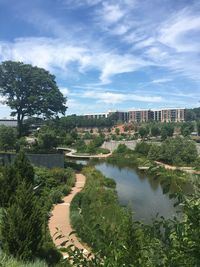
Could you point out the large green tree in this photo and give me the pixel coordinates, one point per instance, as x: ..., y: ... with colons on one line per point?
x: 30, y: 91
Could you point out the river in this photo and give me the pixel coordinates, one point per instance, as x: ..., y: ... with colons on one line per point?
x: 143, y: 195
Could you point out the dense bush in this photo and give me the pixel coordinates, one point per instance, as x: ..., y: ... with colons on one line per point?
x: 56, y: 196
x: 143, y: 148
x: 178, y: 151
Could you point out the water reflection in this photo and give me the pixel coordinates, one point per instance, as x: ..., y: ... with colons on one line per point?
x: 144, y: 196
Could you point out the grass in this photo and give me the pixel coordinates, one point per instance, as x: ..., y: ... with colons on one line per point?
x: 6, y: 261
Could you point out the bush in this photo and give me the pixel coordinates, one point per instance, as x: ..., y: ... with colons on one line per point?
x: 66, y: 190
x: 56, y: 196
x: 50, y: 254
x: 142, y: 148
x: 154, y: 152
x: 121, y: 148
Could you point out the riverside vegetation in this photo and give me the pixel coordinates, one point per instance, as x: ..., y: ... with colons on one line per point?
x: 26, y: 198
x: 117, y: 240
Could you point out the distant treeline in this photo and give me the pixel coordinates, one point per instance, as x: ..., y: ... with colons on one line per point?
x: 73, y: 121
x: 192, y: 114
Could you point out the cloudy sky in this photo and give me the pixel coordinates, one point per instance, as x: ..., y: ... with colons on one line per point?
x: 108, y: 54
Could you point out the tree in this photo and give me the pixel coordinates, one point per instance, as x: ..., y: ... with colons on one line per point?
x: 187, y: 128
x: 48, y: 140
x: 24, y: 168
x: 155, y: 130
x: 117, y: 131
x: 30, y: 91
x: 198, y: 127
x: 8, y: 138
x: 12, y: 176
x: 167, y: 130
x: 21, y: 226
x: 143, y: 132
x: 178, y: 151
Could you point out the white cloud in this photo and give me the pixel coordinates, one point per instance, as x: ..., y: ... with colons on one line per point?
x: 114, y: 98
x: 162, y: 80
x: 111, y: 13
x: 58, y: 56
x: 65, y: 91
x: 175, y: 33
x: 121, y: 64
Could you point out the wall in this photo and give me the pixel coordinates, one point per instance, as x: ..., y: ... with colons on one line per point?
x: 39, y: 160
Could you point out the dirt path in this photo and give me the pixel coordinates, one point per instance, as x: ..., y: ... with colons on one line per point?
x: 61, y: 217
x: 184, y: 169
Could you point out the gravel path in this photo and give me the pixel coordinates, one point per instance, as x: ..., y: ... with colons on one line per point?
x: 61, y: 217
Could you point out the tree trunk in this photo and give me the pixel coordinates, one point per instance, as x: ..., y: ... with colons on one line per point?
x: 20, y: 125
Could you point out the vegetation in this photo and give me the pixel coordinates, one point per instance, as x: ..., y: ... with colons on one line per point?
x: 176, y: 151
x: 119, y: 241
x: 21, y: 86
x: 8, y: 138
x: 26, y: 197
x: 8, y: 261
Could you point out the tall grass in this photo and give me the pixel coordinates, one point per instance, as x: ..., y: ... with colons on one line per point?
x: 6, y: 261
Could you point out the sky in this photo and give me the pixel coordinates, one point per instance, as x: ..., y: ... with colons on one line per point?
x: 108, y: 55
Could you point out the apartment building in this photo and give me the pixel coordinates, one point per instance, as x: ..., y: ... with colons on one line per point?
x: 169, y: 115
x: 143, y: 115
x: 119, y: 115
x: 140, y: 115
x: 96, y: 115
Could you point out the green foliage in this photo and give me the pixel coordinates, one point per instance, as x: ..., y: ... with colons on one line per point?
x: 187, y: 128
x: 71, y: 122
x: 121, y: 148
x: 198, y: 127
x: 8, y: 185
x: 143, y: 132
x: 117, y: 131
x: 155, y: 130
x: 8, y: 138
x: 21, y: 144
x: 12, y: 176
x: 143, y: 148
x: 21, y: 85
x: 178, y: 151
x: 56, y: 196
x: 154, y: 152
x: 6, y: 261
x: 119, y: 241
x: 167, y: 130
x: 102, y: 222
x: 47, y: 140
x: 192, y: 114
x: 24, y: 168
x: 93, y: 147
x: 21, y: 226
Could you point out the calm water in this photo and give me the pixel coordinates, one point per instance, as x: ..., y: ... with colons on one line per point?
x: 143, y: 195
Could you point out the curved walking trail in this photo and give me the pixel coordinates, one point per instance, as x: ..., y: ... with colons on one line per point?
x: 72, y: 153
x: 184, y: 169
x: 61, y: 218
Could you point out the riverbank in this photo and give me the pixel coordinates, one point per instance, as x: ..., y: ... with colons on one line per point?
x: 120, y: 241
x: 60, y: 219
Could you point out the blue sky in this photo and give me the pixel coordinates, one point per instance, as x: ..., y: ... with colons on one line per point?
x: 107, y: 55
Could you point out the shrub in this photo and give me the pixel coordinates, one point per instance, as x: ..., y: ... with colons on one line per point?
x: 56, y: 196
x: 66, y: 190
x: 142, y: 148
